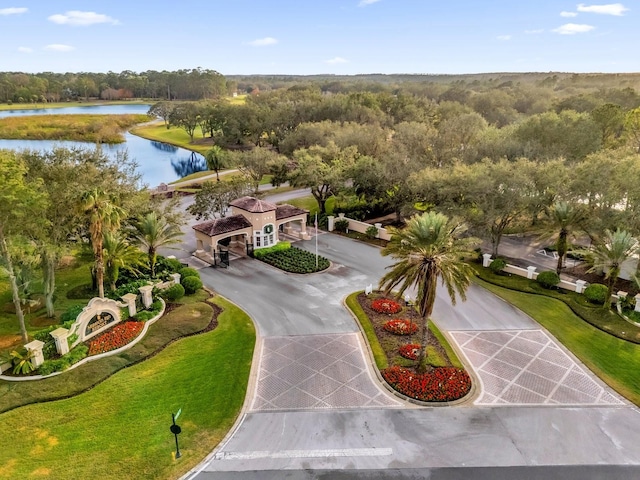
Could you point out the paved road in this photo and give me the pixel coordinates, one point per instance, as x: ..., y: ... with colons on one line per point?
x: 407, y: 442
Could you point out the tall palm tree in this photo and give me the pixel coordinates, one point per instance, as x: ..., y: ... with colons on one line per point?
x: 104, y: 216
x: 118, y: 254
x: 428, y: 248
x: 564, y: 218
x: 153, y: 232
x: 609, y: 255
x: 216, y: 160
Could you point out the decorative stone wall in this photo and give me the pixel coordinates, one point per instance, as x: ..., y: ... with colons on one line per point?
x: 99, y: 315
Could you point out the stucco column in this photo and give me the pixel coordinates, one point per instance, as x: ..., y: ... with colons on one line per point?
x: 147, y: 299
x: 330, y: 220
x: 130, y: 300
x: 60, y: 335
x: 486, y: 259
x: 35, y: 349
x: 580, y: 286
x: 637, y: 297
x: 530, y: 272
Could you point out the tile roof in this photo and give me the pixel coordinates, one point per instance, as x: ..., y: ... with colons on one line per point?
x: 286, y: 211
x: 253, y: 205
x: 223, y: 225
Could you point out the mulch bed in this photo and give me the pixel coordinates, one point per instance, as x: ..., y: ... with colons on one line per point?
x: 391, y: 343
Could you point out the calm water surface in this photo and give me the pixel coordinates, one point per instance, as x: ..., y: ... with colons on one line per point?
x: 157, y: 162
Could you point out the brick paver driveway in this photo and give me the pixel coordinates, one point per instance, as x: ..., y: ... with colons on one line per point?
x: 528, y: 367
x: 316, y: 372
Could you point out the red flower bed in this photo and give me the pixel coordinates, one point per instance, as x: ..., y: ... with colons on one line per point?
x: 410, y: 351
x: 400, y: 326
x: 386, y: 305
x: 117, y: 337
x: 442, y: 384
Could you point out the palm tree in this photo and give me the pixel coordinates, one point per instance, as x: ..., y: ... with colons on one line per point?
x: 428, y: 248
x: 564, y: 218
x: 609, y: 255
x: 153, y: 232
x: 104, y: 216
x: 119, y: 253
x: 216, y: 160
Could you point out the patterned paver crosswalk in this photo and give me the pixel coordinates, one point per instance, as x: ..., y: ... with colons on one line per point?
x: 316, y: 372
x: 527, y: 367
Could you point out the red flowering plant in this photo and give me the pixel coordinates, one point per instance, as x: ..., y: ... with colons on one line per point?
x: 386, y: 305
x: 116, y: 337
x: 410, y: 351
x: 400, y: 326
x: 442, y: 384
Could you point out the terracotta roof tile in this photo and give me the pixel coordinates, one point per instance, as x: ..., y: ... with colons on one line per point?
x: 222, y: 225
x: 253, y: 205
x: 286, y: 211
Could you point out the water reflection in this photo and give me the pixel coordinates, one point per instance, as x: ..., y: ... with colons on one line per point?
x: 165, y: 147
x: 186, y: 166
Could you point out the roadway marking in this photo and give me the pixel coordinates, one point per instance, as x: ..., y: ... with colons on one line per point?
x: 336, y: 452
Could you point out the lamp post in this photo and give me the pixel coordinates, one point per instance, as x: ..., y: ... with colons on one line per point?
x: 175, y: 429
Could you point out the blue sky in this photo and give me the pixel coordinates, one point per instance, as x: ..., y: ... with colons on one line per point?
x: 322, y: 36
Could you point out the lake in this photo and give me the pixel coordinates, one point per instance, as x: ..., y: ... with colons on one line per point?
x: 157, y: 162
x: 95, y: 109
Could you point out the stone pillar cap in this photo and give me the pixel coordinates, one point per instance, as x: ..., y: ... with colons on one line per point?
x: 34, y: 345
x: 146, y: 288
x: 128, y: 296
x: 59, y: 332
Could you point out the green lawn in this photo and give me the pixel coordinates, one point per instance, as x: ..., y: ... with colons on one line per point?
x: 120, y: 428
x: 614, y: 360
x: 174, y: 136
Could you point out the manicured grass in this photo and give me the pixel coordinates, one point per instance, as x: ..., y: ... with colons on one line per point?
x: 615, y: 361
x: 120, y: 428
x: 310, y: 203
x: 190, y: 318
x: 82, y: 128
x: 295, y: 260
x: 173, y: 136
x: 596, y: 315
x: 378, y: 353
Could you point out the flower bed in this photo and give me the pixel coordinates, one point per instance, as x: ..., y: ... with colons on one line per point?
x: 386, y: 305
x: 117, y: 337
x: 410, y: 351
x: 400, y: 326
x: 295, y: 260
x: 442, y: 384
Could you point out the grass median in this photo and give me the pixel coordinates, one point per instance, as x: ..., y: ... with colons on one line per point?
x: 120, y: 428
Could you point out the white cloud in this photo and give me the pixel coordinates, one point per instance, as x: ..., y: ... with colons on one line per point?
x: 263, y: 42
x: 25, y: 49
x: 364, y: 3
x: 82, y: 19
x: 568, y: 14
x: 58, y: 47
x: 534, y: 32
x: 335, y: 60
x: 573, y: 28
x: 504, y: 38
x: 616, y: 9
x: 13, y: 10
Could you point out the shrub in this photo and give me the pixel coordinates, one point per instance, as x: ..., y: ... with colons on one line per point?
x: 596, y: 293
x: 173, y: 293
x: 497, y: 265
x: 341, y: 225
x: 188, y: 272
x: 295, y: 260
x: 548, y: 279
x: 371, y: 232
x: 278, y: 247
x: 399, y: 326
x: 71, y: 313
x: 191, y: 285
x: 64, y: 362
x: 131, y: 287
x: 386, y: 305
x: 169, y: 265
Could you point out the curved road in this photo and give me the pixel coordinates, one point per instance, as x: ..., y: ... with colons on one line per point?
x: 316, y: 408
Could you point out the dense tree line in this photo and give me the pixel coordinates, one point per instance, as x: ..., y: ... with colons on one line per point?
x: 193, y: 84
